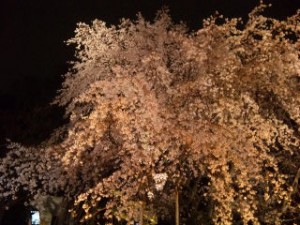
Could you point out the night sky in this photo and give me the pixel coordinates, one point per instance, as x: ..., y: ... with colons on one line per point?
x: 34, y: 56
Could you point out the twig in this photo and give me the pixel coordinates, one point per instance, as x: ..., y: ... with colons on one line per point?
x: 294, y: 186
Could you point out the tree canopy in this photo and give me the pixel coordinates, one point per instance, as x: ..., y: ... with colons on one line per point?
x: 155, y: 109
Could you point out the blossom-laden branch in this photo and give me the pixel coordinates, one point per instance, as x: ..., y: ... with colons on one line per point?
x: 154, y: 108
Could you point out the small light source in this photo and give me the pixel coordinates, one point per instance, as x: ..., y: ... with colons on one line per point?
x: 35, y: 217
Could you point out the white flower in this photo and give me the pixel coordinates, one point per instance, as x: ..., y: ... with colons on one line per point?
x: 160, y: 180
x: 150, y: 195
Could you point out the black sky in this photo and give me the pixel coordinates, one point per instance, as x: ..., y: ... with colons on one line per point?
x: 34, y: 56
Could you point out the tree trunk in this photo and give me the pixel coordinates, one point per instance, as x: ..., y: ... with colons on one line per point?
x: 141, y: 219
x: 177, y: 207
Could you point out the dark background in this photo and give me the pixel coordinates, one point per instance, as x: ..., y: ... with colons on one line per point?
x: 34, y: 56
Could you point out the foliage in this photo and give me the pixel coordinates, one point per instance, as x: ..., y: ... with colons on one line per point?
x: 155, y: 109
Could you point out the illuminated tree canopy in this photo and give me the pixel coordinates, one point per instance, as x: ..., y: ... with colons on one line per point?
x: 154, y: 110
